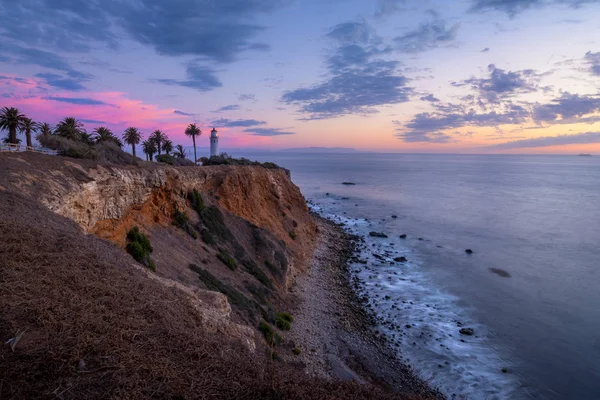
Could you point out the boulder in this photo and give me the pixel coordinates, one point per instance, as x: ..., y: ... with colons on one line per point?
x: 467, y: 331
x: 400, y: 259
x: 378, y: 234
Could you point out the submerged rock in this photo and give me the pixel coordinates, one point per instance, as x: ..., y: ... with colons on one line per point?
x: 378, y: 234
x: 467, y: 331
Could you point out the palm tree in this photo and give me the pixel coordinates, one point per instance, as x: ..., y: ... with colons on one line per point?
x: 159, y: 138
x: 167, y: 146
x: 45, y: 129
x: 105, y: 135
x: 28, y: 127
x: 12, y: 121
x: 71, y: 128
x: 132, y: 136
x: 149, y: 148
x: 193, y: 131
x: 179, y: 151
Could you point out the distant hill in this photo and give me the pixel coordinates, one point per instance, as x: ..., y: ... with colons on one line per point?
x: 319, y: 150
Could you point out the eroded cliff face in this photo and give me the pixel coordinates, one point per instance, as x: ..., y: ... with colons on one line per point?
x: 262, y: 221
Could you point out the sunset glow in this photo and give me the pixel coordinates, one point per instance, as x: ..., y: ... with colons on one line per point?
x: 470, y: 76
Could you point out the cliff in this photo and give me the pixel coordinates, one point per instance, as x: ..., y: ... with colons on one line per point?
x: 83, y: 319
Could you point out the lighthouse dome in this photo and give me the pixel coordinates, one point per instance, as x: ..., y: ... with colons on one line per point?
x: 214, y: 133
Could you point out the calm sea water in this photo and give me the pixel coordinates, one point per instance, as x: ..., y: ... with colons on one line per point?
x: 534, y: 220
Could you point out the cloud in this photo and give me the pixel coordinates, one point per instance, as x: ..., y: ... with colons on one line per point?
x: 178, y: 112
x: 199, y: 77
x: 268, y: 132
x: 427, y: 36
x: 431, y: 98
x: 514, y: 7
x: 92, y: 121
x: 359, y: 80
x: 27, y: 55
x: 214, y: 30
x: 77, y: 100
x: 388, y: 7
x: 232, y: 107
x: 593, y: 59
x: 420, y: 128
x: 485, y: 50
x: 502, y: 84
x: 567, y: 108
x: 237, y: 123
x: 247, y: 97
x: 61, y: 82
x: 547, y: 141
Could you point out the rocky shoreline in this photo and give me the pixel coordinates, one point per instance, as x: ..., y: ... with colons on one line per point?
x: 332, y: 329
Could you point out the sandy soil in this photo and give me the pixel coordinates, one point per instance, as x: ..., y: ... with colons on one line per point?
x: 335, y: 334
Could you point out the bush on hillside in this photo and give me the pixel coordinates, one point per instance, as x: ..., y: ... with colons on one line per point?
x: 139, y: 247
x: 226, y: 159
x: 175, y: 161
x: 196, y: 199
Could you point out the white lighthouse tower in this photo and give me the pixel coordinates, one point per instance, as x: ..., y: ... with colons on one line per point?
x: 214, y: 143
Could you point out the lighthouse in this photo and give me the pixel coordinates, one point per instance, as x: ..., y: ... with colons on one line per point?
x: 214, y: 143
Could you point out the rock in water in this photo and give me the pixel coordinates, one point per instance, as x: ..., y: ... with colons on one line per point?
x: 400, y: 259
x: 394, y: 216
x: 467, y: 331
x: 378, y: 234
x: 348, y: 183
x: 469, y: 251
x: 403, y: 236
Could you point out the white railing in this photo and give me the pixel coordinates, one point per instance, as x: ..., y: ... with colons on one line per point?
x: 11, y: 147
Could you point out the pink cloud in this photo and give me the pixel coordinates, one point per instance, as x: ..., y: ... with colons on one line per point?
x: 115, y: 110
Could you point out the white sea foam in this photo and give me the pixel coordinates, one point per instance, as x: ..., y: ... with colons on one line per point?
x: 423, y: 322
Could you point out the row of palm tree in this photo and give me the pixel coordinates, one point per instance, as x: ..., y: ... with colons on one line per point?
x: 13, y: 121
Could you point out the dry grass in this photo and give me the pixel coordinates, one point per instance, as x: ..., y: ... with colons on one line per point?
x: 77, y: 298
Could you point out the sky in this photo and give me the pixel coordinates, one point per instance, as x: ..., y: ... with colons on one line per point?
x: 464, y: 76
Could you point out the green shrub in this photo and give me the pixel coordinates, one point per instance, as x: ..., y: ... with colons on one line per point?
x: 259, y: 292
x: 293, y: 235
x: 295, y: 223
x: 236, y: 298
x: 272, y: 354
x: 283, y: 321
x: 258, y: 273
x: 196, y: 199
x: 225, y: 159
x: 274, y: 270
x: 180, y: 220
x: 139, y: 247
x: 269, y: 334
x: 215, y: 223
x: 227, y: 260
x: 207, y: 237
x: 296, y: 351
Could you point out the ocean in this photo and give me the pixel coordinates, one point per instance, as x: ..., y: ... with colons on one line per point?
x: 529, y: 291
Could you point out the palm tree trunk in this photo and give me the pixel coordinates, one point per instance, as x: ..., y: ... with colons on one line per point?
x: 28, y: 136
x: 133, y: 150
x: 195, y: 157
x: 12, y: 135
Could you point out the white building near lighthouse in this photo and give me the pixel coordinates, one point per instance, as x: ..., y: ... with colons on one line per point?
x: 214, y: 143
